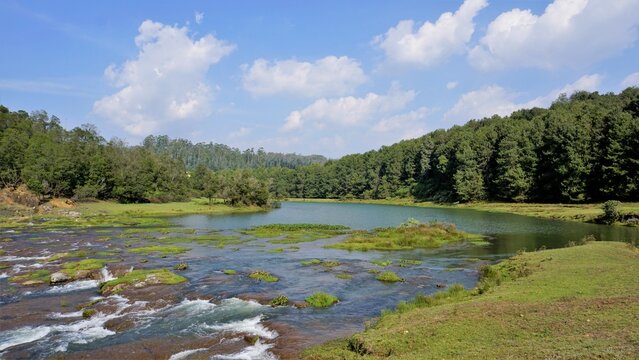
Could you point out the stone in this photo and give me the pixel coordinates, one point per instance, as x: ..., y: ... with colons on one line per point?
x: 58, y: 277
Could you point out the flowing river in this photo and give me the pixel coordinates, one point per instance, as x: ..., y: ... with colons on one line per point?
x: 219, y: 316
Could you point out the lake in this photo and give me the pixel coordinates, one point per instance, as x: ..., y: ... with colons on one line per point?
x: 219, y: 316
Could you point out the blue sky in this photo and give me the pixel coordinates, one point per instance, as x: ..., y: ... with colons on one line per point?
x: 330, y: 77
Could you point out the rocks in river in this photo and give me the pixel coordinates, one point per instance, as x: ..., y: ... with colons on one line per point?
x: 33, y: 282
x: 58, y: 278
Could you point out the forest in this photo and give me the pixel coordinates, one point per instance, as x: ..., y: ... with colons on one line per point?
x: 583, y: 148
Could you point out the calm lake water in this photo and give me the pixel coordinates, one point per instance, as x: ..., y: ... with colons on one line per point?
x: 209, y: 315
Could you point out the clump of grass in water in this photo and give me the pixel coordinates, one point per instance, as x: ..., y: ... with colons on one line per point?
x: 181, y: 266
x: 279, y: 300
x: 164, y: 250
x: 296, y: 233
x: 330, y: 263
x: 344, y: 276
x: 382, y: 263
x: 406, y: 237
x: 263, y: 276
x: 229, y: 272
x: 311, y: 262
x: 321, y: 300
x: 389, y: 276
x: 409, y: 263
x: 141, y: 277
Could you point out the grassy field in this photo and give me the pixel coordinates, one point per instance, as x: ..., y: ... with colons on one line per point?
x: 578, y: 302
x: 108, y: 213
x: 572, y: 212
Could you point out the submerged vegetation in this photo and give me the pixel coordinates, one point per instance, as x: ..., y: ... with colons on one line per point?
x: 550, y: 301
x: 263, y: 276
x: 409, y: 236
x: 321, y: 300
x: 296, y: 233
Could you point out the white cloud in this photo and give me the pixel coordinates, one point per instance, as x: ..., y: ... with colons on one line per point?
x: 329, y: 76
x: 350, y: 110
x: 568, y: 33
x: 41, y: 87
x: 491, y: 100
x: 451, y: 85
x: 630, y: 80
x: 431, y: 43
x: 401, y: 121
x: 166, y: 82
x: 240, y: 133
x: 199, y: 17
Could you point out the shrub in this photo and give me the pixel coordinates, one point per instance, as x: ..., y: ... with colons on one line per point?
x: 263, y: 276
x: 280, y: 300
x: 389, y: 276
x: 181, y: 266
x: 611, y: 212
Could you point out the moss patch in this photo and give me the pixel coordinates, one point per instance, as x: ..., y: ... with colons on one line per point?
x: 321, y: 300
x: 159, y: 249
x: 229, y: 272
x: 141, y: 278
x: 263, y: 276
x: 389, y: 276
x: 296, y: 233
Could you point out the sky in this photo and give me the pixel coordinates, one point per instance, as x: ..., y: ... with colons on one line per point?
x: 313, y: 77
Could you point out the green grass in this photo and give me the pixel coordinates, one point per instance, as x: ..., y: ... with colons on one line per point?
x: 229, y: 271
x: 405, y: 237
x: 141, y: 278
x: 321, y: 300
x: 344, y: 276
x: 382, y: 263
x: 41, y: 275
x: 72, y: 268
x: 295, y: 233
x: 570, y: 212
x: 389, y: 276
x: 409, y: 262
x: 263, y: 276
x: 311, y: 262
x: 577, y: 302
x: 159, y: 249
x: 279, y: 300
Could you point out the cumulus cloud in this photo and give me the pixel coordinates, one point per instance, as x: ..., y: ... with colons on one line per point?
x: 401, y: 121
x: 630, y: 80
x: 329, y: 76
x: 568, y: 33
x: 491, y: 100
x: 165, y: 83
x: 430, y: 43
x: 349, y: 110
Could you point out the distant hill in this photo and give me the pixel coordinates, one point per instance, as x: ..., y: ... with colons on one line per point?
x: 220, y: 156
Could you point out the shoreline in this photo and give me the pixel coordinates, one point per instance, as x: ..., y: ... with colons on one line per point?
x: 584, y: 213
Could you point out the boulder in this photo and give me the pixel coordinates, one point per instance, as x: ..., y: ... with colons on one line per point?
x: 59, y: 277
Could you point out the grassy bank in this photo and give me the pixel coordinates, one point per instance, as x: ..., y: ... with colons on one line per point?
x: 108, y: 213
x: 572, y: 212
x: 578, y: 302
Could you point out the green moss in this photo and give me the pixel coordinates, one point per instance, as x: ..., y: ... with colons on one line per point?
x: 229, y: 271
x: 311, y: 262
x: 296, y: 233
x: 409, y: 263
x: 263, y: 276
x: 408, y: 237
x: 181, y: 266
x: 164, y: 250
x: 277, y: 250
x: 87, y: 313
x: 280, y: 300
x: 344, y: 276
x: 41, y: 275
x: 374, y: 271
x: 138, y: 278
x: 389, y: 276
x: 382, y: 263
x: 3, y: 252
x: 330, y: 263
x: 321, y: 300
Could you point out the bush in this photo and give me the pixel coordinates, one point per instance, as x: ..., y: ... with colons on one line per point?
x: 321, y: 300
x: 611, y: 212
x: 280, y: 300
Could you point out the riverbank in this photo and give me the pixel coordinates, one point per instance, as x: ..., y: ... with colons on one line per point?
x: 113, y: 214
x: 577, y: 302
x: 570, y: 212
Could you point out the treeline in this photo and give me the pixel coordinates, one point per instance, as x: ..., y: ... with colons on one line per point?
x: 583, y: 148
x: 221, y: 157
x: 35, y: 150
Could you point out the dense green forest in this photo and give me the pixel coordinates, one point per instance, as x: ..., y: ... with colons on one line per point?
x: 583, y: 148
x: 220, y: 157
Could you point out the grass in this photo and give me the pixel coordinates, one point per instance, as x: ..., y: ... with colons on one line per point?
x: 577, y: 302
x: 570, y: 212
x: 321, y: 300
x: 159, y: 249
x: 279, y: 300
x: 406, y: 237
x: 389, y: 276
x: 36, y: 276
x: 382, y: 263
x: 295, y: 233
x: 72, y: 268
x: 409, y: 262
x: 344, y: 276
x: 141, y: 278
x: 263, y: 276
x: 311, y: 262
x: 229, y: 272
x: 113, y: 214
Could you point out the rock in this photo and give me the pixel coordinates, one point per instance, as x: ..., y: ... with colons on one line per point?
x: 58, y: 277
x: 251, y: 339
x: 440, y: 285
x: 33, y: 282
x: 83, y: 274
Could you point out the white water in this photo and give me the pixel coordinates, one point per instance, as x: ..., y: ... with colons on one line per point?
x: 73, y: 286
x: 4, y: 275
x: 58, y: 315
x: 251, y: 326
x: 11, y: 258
x: 258, y: 351
x: 182, y: 354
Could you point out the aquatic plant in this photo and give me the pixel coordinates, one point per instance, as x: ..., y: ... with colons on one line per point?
x: 279, y: 300
x: 181, y: 266
x: 409, y: 262
x: 164, y: 250
x: 296, y: 233
x: 311, y: 262
x: 382, y: 263
x: 344, y: 276
x: 321, y: 300
x: 331, y: 263
x: 141, y: 278
x: 389, y: 276
x: 229, y: 272
x: 263, y: 276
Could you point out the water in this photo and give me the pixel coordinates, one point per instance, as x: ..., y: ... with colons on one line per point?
x: 209, y: 316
